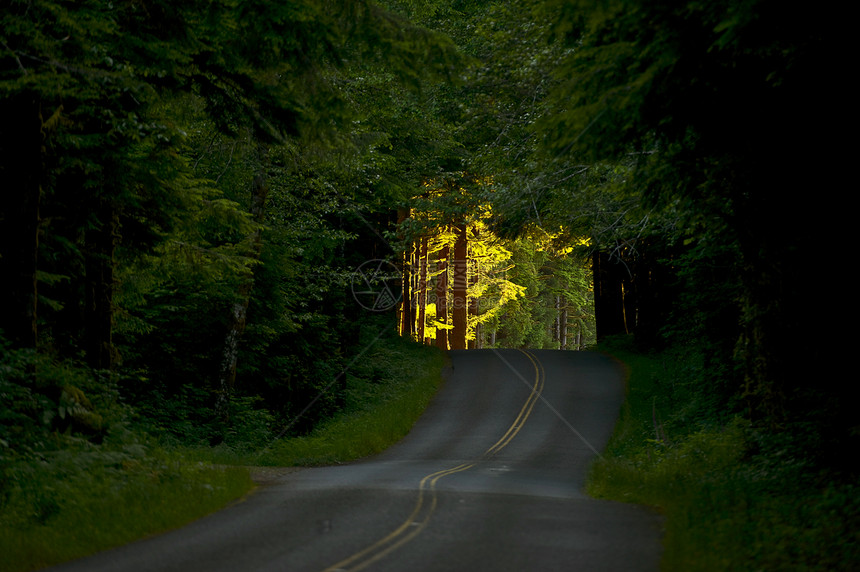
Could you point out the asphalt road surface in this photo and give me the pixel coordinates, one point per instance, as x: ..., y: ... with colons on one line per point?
x: 490, y: 478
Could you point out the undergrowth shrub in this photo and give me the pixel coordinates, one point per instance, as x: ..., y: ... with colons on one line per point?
x: 735, y: 496
x: 77, y: 473
x: 393, y: 387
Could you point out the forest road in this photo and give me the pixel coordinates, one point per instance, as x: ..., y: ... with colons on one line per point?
x: 490, y: 478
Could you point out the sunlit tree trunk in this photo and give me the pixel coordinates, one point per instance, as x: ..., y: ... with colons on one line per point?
x: 442, y: 298
x: 422, y: 289
x: 473, y: 302
x: 457, y: 338
x: 414, y: 279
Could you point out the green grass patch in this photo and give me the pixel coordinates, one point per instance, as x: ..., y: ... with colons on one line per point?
x: 71, y: 504
x: 734, y: 497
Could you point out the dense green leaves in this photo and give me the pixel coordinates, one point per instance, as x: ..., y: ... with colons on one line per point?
x: 136, y: 133
x: 696, y: 108
x: 190, y: 182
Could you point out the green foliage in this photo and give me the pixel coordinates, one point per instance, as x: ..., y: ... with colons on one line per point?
x: 557, y: 294
x: 689, y: 103
x: 734, y: 496
x: 49, y: 403
x: 77, y: 475
x: 384, y: 393
x: 390, y: 389
x: 135, y: 134
x: 73, y: 503
x: 163, y: 128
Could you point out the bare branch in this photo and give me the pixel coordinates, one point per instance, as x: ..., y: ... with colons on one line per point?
x: 17, y: 59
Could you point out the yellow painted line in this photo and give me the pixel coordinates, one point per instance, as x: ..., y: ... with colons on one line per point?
x: 396, y: 538
x: 526, y: 410
x: 411, y: 521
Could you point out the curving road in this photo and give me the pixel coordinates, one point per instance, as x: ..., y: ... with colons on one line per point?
x: 490, y: 478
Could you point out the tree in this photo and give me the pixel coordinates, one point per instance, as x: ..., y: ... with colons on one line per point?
x: 57, y: 73
x: 121, y: 216
x: 696, y: 100
x: 239, y: 315
x: 441, y: 293
x: 510, y: 293
x: 459, y: 285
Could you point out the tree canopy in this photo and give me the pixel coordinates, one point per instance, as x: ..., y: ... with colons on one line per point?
x: 190, y: 188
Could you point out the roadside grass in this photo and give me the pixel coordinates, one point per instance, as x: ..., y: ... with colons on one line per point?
x: 78, y: 498
x: 733, y: 497
x: 75, y: 503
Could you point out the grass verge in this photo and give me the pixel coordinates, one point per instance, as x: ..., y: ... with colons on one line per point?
x: 734, y: 497
x: 75, y: 503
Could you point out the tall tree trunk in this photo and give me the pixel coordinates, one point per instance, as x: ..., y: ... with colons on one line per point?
x: 239, y: 313
x: 406, y: 314
x: 442, y: 298
x: 99, y: 264
x: 414, y: 272
x: 629, y: 301
x: 473, y: 301
x: 556, y: 335
x: 608, y: 296
x: 407, y: 310
x: 563, y: 321
x: 457, y: 338
x: 21, y: 163
x: 650, y: 281
x: 422, y: 289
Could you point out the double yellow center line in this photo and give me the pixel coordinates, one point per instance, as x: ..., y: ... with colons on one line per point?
x: 427, y: 497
